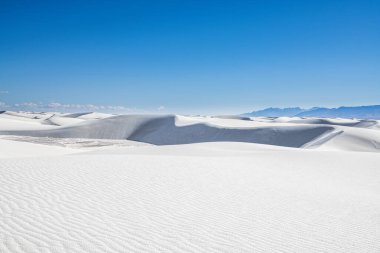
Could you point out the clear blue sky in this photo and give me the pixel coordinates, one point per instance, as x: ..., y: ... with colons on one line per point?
x: 191, y: 56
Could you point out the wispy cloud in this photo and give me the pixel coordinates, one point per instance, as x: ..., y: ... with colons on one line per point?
x: 56, y: 106
x: 4, y: 92
x: 27, y: 104
x: 3, y: 105
x: 161, y: 108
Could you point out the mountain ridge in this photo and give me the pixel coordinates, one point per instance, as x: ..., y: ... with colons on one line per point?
x: 363, y: 112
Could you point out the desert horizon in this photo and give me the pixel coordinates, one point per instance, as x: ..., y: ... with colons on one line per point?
x: 114, y: 183
x: 248, y: 126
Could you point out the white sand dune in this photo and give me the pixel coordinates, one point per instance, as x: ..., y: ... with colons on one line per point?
x: 180, y: 199
x: 339, y: 122
x: 94, y: 183
x: 328, y: 134
x: 162, y: 130
x: 15, y: 123
x: 354, y: 139
x: 25, y: 116
x: 72, y: 142
x: 10, y: 149
x: 88, y: 115
x: 58, y: 120
x: 96, y: 115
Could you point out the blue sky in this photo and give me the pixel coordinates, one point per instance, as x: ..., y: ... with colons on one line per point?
x: 189, y: 56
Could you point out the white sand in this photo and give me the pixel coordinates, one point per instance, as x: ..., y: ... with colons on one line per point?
x: 217, y: 193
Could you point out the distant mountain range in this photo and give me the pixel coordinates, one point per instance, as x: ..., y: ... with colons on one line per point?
x: 361, y: 112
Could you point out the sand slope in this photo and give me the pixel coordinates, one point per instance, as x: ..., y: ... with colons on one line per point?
x: 163, y: 130
x: 90, y: 182
x: 327, y: 134
x: 11, y: 149
x: 166, y: 199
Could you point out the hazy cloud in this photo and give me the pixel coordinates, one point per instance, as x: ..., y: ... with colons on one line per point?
x: 3, y: 105
x: 56, y: 106
x: 90, y: 107
x: 27, y: 104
